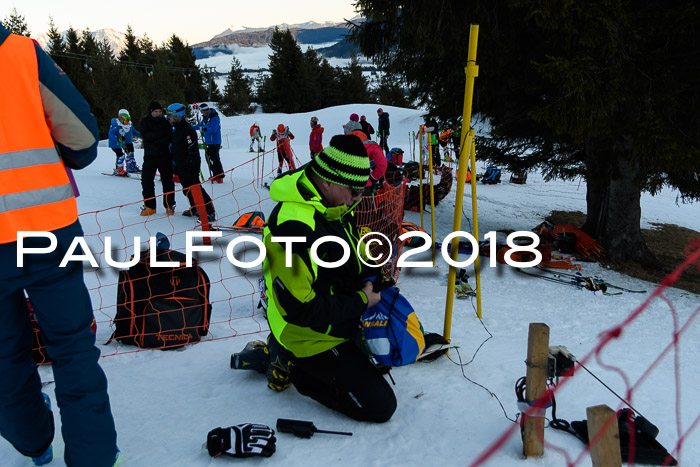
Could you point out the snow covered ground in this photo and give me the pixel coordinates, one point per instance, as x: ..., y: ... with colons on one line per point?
x: 450, y: 410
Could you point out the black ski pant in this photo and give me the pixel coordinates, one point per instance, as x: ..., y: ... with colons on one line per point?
x: 214, y: 160
x: 162, y: 163
x: 383, y: 137
x: 63, y: 310
x: 344, y: 379
x: 188, y: 171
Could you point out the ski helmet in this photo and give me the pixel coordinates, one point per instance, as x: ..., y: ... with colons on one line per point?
x: 176, y: 109
x: 280, y: 128
x: 123, y: 116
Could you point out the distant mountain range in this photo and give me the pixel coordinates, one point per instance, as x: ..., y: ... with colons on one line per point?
x: 238, y: 29
x: 305, y: 33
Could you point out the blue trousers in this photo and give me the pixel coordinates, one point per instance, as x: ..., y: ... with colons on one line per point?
x: 64, y: 312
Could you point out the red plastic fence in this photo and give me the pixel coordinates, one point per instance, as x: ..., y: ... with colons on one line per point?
x: 632, y: 385
x: 234, y: 292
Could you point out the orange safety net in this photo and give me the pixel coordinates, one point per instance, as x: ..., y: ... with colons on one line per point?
x: 383, y: 214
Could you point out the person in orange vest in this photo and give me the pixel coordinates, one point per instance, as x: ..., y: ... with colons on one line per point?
x: 56, y: 131
x: 284, y: 149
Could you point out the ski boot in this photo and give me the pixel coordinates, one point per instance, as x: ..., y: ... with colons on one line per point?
x: 278, y: 372
x: 120, y: 172
x: 462, y: 287
x: 254, y: 356
x: 133, y: 168
x: 146, y: 211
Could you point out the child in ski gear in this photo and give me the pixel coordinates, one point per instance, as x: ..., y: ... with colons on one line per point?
x: 432, y: 135
x: 313, y: 310
x: 157, y: 134
x: 56, y: 130
x: 315, y: 137
x: 351, y: 126
x: 366, y: 126
x: 121, y: 137
x: 425, y: 141
x: 377, y: 163
x: 211, y: 133
x: 284, y: 149
x: 383, y: 125
x: 255, y: 136
x: 185, y: 151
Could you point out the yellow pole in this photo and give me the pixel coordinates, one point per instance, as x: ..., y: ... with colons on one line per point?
x: 432, y: 195
x: 471, y: 71
x: 420, y: 176
x: 475, y: 221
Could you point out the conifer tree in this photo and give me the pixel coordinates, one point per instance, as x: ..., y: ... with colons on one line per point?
x: 604, y: 90
x: 353, y: 84
x: 179, y: 55
x: 132, y: 47
x: 237, y: 93
x: 16, y: 24
x: 87, y: 43
x: 280, y: 91
x: 55, y: 44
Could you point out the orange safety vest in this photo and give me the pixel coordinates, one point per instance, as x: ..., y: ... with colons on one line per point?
x: 35, y: 192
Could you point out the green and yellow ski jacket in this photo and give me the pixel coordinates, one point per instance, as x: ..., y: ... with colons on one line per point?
x: 311, y: 308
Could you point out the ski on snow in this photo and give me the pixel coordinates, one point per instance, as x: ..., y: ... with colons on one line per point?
x: 579, y: 282
x: 596, y: 280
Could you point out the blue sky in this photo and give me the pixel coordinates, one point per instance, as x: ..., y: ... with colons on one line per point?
x: 192, y: 21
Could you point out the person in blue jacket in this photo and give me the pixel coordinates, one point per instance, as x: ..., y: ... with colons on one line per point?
x: 211, y: 131
x: 121, y: 140
x: 59, y: 130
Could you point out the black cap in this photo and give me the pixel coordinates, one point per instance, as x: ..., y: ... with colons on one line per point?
x: 154, y: 105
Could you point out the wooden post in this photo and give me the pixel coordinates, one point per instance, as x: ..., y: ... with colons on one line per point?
x: 605, y: 446
x: 535, y: 387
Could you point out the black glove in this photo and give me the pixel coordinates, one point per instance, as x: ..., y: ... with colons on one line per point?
x: 244, y: 440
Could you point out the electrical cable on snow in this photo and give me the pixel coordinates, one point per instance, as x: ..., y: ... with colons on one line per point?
x: 462, y: 365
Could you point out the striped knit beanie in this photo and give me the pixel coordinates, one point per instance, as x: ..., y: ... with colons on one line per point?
x: 344, y: 162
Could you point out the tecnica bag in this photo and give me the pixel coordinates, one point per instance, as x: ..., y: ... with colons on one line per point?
x: 162, y: 307
x: 392, y: 331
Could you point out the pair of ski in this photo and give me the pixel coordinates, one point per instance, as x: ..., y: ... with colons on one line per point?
x: 578, y: 280
x: 131, y: 175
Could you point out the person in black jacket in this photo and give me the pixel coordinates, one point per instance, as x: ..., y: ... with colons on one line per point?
x: 185, y: 151
x: 156, y: 133
x: 383, y: 129
x: 367, y: 127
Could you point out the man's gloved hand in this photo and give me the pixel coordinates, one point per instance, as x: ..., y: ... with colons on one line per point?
x: 244, y: 440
